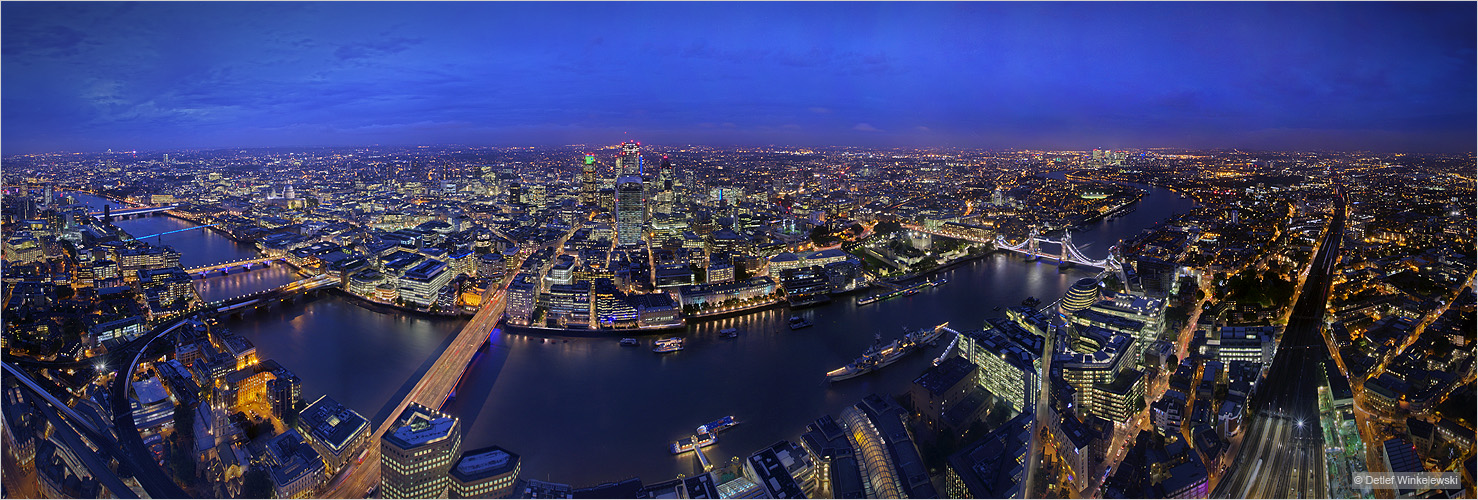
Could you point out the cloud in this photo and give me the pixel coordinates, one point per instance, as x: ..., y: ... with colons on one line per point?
x: 863, y: 127
x: 924, y: 129
x: 43, y: 42
x: 820, y: 110
x: 376, y: 48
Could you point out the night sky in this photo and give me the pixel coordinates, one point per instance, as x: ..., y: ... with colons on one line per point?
x: 1337, y: 76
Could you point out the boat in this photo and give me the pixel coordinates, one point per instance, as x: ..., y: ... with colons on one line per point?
x: 1031, y: 302
x: 911, y: 291
x: 691, y: 443
x: 628, y: 341
x: 717, y: 425
x: 862, y: 301
x: 670, y: 344
x: 797, y: 323
x: 879, y: 357
x: 941, y: 281
x: 729, y: 333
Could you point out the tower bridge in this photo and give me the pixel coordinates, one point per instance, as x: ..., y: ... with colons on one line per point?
x: 1067, y: 251
x: 1032, y: 246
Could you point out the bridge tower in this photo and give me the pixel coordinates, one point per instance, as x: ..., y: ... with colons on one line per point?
x: 1033, y: 252
x: 1115, y: 264
x: 1067, y: 240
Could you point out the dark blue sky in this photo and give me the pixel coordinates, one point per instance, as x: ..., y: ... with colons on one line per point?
x: 1376, y: 76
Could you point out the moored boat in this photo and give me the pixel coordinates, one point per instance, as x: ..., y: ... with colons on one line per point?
x: 670, y: 344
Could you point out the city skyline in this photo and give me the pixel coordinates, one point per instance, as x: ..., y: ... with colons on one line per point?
x: 1089, y: 324
x: 1070, y: 76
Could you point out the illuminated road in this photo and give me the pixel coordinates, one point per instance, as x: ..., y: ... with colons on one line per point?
x: 435, y: 385
x: 432, y: 390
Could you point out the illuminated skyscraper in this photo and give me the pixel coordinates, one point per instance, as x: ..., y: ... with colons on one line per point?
x: 588, y: 183
x: 665, y: 194
x: 629, y: 161
x: 630, y: 210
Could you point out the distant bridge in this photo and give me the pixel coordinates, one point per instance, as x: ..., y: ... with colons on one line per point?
x: 225, y: 267
x: 136, y: 212
x: 1031, y: 246
x: 239, y: 302
x: 174, y: 231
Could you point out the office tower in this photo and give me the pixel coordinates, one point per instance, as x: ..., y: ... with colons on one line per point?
x: 418, y: 452
x: 515, y: 193
x: 284, y: 392
x: 484, y: 473
x: 630, y: 210
x: 338, y: 433
x: 535, y: 195
x: 588, y: 184
x: 665, y: 193
x: 1157, y: 277
x: 629, y: 161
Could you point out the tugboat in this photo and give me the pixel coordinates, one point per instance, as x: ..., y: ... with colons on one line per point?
x: 797, y: 323
x: 628, y: 341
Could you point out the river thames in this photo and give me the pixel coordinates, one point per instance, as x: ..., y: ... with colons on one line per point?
x: 587, y: 410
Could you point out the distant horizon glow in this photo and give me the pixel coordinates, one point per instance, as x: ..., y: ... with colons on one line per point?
x: 1321, y: 76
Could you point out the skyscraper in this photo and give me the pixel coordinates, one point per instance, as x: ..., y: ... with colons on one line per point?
x: 418, y: 453
x: 629, y: 161
x: 630, y: 212
x: 588, y: 184
x: 665, y: 194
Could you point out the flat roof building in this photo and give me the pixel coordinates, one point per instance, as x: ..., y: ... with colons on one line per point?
x: 417, y: 453
x: 337, y: 432
x: 484, y: 473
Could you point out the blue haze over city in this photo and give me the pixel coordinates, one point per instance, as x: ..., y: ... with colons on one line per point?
x: 738, y: 249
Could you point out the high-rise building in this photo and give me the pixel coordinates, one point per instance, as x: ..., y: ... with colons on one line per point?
x: 665, y: 193
x: 418, y: 453
x: 630, y: 210
x: 285, y: 391
x: 629, y: 161
x: 484, y: 473
x: 588, y: 184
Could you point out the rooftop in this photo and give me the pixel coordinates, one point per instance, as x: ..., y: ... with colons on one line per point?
x: 331, y: 424
x: 420, y: 426
x: 484, y: 462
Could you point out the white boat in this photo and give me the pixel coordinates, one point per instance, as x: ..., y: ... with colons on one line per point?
x: 671, y: 344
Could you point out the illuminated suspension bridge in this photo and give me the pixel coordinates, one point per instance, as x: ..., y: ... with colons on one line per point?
x: 1032, y: 247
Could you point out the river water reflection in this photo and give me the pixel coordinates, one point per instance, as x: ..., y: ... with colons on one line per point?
x: 584, y: 411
